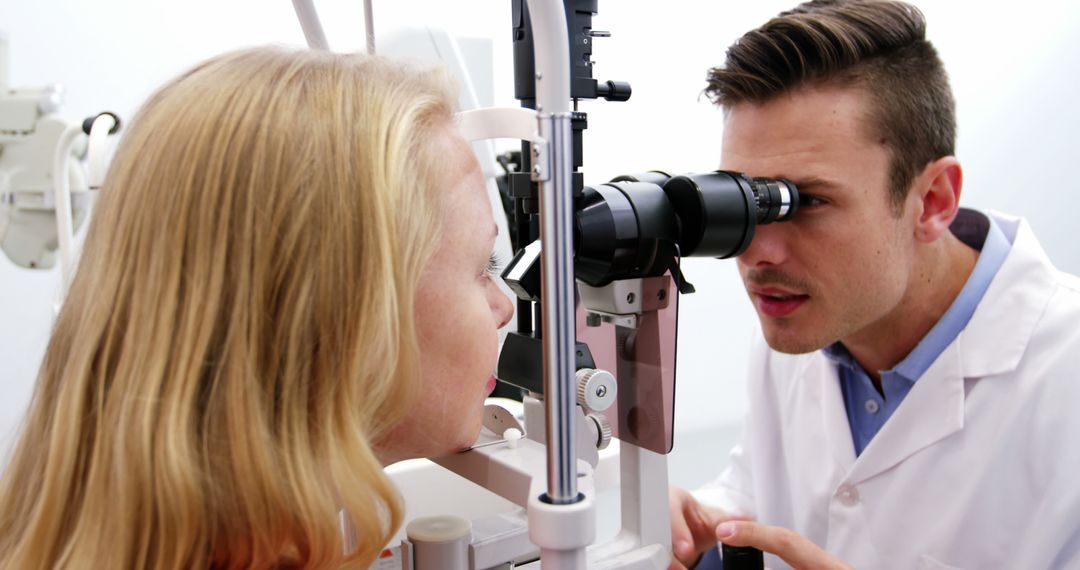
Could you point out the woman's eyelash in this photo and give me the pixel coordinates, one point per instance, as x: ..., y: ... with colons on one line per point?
x: 495, y: 264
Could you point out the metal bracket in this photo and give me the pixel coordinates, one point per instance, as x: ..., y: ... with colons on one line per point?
x: 541, y: 150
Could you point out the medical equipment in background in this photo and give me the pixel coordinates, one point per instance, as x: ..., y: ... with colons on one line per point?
x: 623, y: 241
x: 45, y: 194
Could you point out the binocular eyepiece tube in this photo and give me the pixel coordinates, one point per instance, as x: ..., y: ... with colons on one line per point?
x: 637, y: 226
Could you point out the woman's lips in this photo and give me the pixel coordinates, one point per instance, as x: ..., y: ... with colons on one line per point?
x: 490, y: 384
x: 777, y: 303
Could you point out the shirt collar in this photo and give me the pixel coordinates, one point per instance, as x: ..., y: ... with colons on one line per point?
x: 980, y: 232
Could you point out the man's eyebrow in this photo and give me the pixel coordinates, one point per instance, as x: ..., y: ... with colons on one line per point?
x: 811, y: 182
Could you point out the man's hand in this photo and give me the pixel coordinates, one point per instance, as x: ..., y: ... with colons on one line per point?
x: 794, y: 549
x: 693, y: 528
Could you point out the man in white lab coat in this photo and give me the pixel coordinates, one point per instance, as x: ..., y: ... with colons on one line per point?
x: 915, y: 395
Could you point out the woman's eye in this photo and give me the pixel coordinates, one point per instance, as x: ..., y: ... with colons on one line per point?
x: 494, y: 266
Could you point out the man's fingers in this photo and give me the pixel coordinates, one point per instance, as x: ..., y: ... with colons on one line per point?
x: 763, y: 537
x: 788, y: 545
x: 693, y: 527
x: 702, y: 529
x: 676, y: 565
x: 711, y: 517
x: 683, y: 532
x: 685, y: 551
x: 681, y: 537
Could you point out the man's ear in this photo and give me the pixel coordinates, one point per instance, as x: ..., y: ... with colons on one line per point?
x: 939, y: 197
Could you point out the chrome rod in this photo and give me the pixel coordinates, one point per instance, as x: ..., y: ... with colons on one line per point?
x: 557, y: 292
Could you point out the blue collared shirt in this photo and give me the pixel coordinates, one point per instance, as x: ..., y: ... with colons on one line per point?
x: 867, y: 410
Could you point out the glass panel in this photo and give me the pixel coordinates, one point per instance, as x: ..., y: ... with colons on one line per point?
x: 642, y: 358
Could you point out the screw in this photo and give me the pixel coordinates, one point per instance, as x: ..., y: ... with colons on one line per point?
x: 601, y: 391
x: 539, y: 76
x: 630, y: 298
x: 661, y: 294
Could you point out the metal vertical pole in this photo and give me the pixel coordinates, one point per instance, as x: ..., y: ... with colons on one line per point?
x: 309, y: 22
x: 557, y: 271
x: 553, y: 169
x: 369, y: 26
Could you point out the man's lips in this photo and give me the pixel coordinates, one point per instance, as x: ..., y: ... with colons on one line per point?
x: 490, y: 384
x: 777, y: 302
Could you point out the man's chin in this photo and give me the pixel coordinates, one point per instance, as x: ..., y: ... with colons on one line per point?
x: 787, y: 343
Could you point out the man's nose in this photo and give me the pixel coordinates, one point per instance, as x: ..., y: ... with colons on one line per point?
x: 768, y: 248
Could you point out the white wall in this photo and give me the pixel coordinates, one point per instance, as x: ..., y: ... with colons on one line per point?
x: 1013, y: 73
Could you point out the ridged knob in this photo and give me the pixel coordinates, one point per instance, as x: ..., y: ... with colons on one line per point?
x: 603, y: 430
x: 596, y: 389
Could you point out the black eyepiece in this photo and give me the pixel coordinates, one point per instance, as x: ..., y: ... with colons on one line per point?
x: 777, y: 199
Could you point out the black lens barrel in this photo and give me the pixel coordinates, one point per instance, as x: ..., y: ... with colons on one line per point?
x: 623, y: 230
x: 635, y: 226
x: 716, y: 213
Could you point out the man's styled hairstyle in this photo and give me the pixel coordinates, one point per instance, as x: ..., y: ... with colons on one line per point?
x: 879, y: 46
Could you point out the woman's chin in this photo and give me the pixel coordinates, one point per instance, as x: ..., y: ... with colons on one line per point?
x: 470, y: 435
x: 435, y: 441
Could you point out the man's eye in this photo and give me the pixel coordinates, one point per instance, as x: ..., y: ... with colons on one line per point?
x: 810, y: 201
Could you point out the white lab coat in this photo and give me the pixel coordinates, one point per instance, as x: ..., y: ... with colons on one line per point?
x: 979, y: 467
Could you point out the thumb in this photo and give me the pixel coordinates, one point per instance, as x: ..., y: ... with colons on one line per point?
x: 796, y: 550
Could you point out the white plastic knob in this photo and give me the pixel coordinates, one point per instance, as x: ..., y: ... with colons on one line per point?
x: 51, y: 99
x: 596, y: 389
x: 512, y: 437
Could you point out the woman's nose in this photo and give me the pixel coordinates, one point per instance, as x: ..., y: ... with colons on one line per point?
x: 504, y: 308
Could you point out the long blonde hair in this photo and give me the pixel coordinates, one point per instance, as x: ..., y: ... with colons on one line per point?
x: 241, y: 329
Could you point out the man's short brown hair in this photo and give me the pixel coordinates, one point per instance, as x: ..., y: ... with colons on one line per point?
x: 879, y: 46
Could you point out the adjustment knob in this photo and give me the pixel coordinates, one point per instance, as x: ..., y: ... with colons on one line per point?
x: 614, y: 90
x: 596, y: 389
x: 603, y: 430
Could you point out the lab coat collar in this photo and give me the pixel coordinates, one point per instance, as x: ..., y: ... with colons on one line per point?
x: 932, y: 410
x: 995, y: 339
x: 992, y: 343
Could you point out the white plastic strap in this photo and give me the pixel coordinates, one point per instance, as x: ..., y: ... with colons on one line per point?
x: 499, y: 123
x: 97, y: 150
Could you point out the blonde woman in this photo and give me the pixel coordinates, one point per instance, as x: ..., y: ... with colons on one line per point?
x: 286, y: 286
